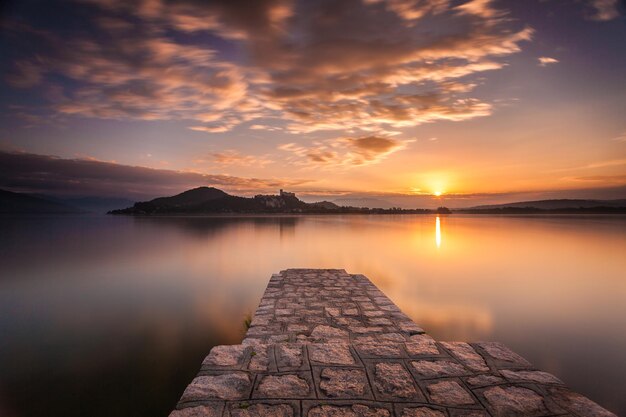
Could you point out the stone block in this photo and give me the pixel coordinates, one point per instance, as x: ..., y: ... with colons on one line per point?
x: 380, y: 321
x: 213, y: 409
x: 392, y: 337
x: 421, y: 411
x: 467, y: 355
x: 512, y: 401
x: 225, y: 356
x: 421, y: 346
x: 449, y: 393
x: 438, y: 368
x: 289, y: 356
x: 366, y: 329
x: 380, y: 349
x: 331, y: 354
x: 278, y: 338
x: 283, y: 386
x: 393, y: 382
x: 259, y: 355
x: 328, y: 332
x: 263, y: 409
x: 346, y: 410
x: 343, y: 383
x: 456, y: 412
x: 577, y: 404
x: 500, y: 352
x: 484, y: 380
x: 227, y: 386
x: 374, y: 313
x: 410, y: 327
x: 538, y: 377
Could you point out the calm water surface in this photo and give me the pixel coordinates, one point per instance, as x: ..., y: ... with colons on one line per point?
x: 103, y: 316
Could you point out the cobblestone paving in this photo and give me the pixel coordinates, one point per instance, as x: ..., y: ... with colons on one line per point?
x: 324, y: 343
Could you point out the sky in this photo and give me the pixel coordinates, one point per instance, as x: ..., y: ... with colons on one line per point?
x: 419, y: 102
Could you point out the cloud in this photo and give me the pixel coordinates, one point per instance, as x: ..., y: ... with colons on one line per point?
x: 49, y: 174
x: 312, y: 66
x: 482, y: 8
x: 607, y: 163
x: 605, y: 9
x: 134, y: 72
x: 25, y: 74
x: 545, y: 61
x: 593, y: 165
x: 210, y: 129
x: 233, y: 157
x: 605, y: 179
x: 264, y: 127
x: 371, y: 149
x: 620, y: 138
x: 345, y: 152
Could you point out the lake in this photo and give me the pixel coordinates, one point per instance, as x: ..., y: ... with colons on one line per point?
x: 112, y: 316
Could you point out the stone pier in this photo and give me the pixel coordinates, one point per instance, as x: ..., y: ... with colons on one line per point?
x: 328, y: 343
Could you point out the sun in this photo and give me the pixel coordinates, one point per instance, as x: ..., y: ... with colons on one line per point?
x: 437, y: 193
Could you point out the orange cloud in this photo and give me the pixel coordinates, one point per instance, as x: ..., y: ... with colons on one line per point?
x: 411, y: 10
x: 345, y: 152
x: 606, y: 179
x: 545, y: 61
x: 482, y: 8
x: 233, y: 157
x: 620, y: 138
x: 604, y: 9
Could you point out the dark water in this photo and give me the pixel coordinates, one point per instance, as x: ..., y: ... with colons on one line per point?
x: 111, y: 316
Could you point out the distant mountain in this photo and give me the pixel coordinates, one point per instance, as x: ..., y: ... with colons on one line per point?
x: 328, y: 205
x: 190, y: 197
x: 557, y: 204
x: 92, y: 204
x: 209, y: 200
x: 363, y: 202
x: 19, y: 203
x: 552, y: 206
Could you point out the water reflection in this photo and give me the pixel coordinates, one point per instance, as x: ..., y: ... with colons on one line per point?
x: 438, y: 232
x: 112, y: 315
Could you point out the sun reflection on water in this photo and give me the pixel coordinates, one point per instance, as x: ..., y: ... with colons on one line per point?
x: 438, y: 232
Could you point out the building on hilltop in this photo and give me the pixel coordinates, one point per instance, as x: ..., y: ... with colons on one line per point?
x: 282, y: 201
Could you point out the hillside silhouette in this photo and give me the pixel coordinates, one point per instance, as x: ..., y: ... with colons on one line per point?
x: 19, y: 203
x: 209, y: 200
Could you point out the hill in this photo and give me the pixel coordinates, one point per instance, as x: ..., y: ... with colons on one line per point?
x: 557, y: 204
x: 212, y: 200
x: 190, y: 197
x: 19, y: 203
x: 550, y: 206
x: 90, y: 204
x: 209, y: 200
